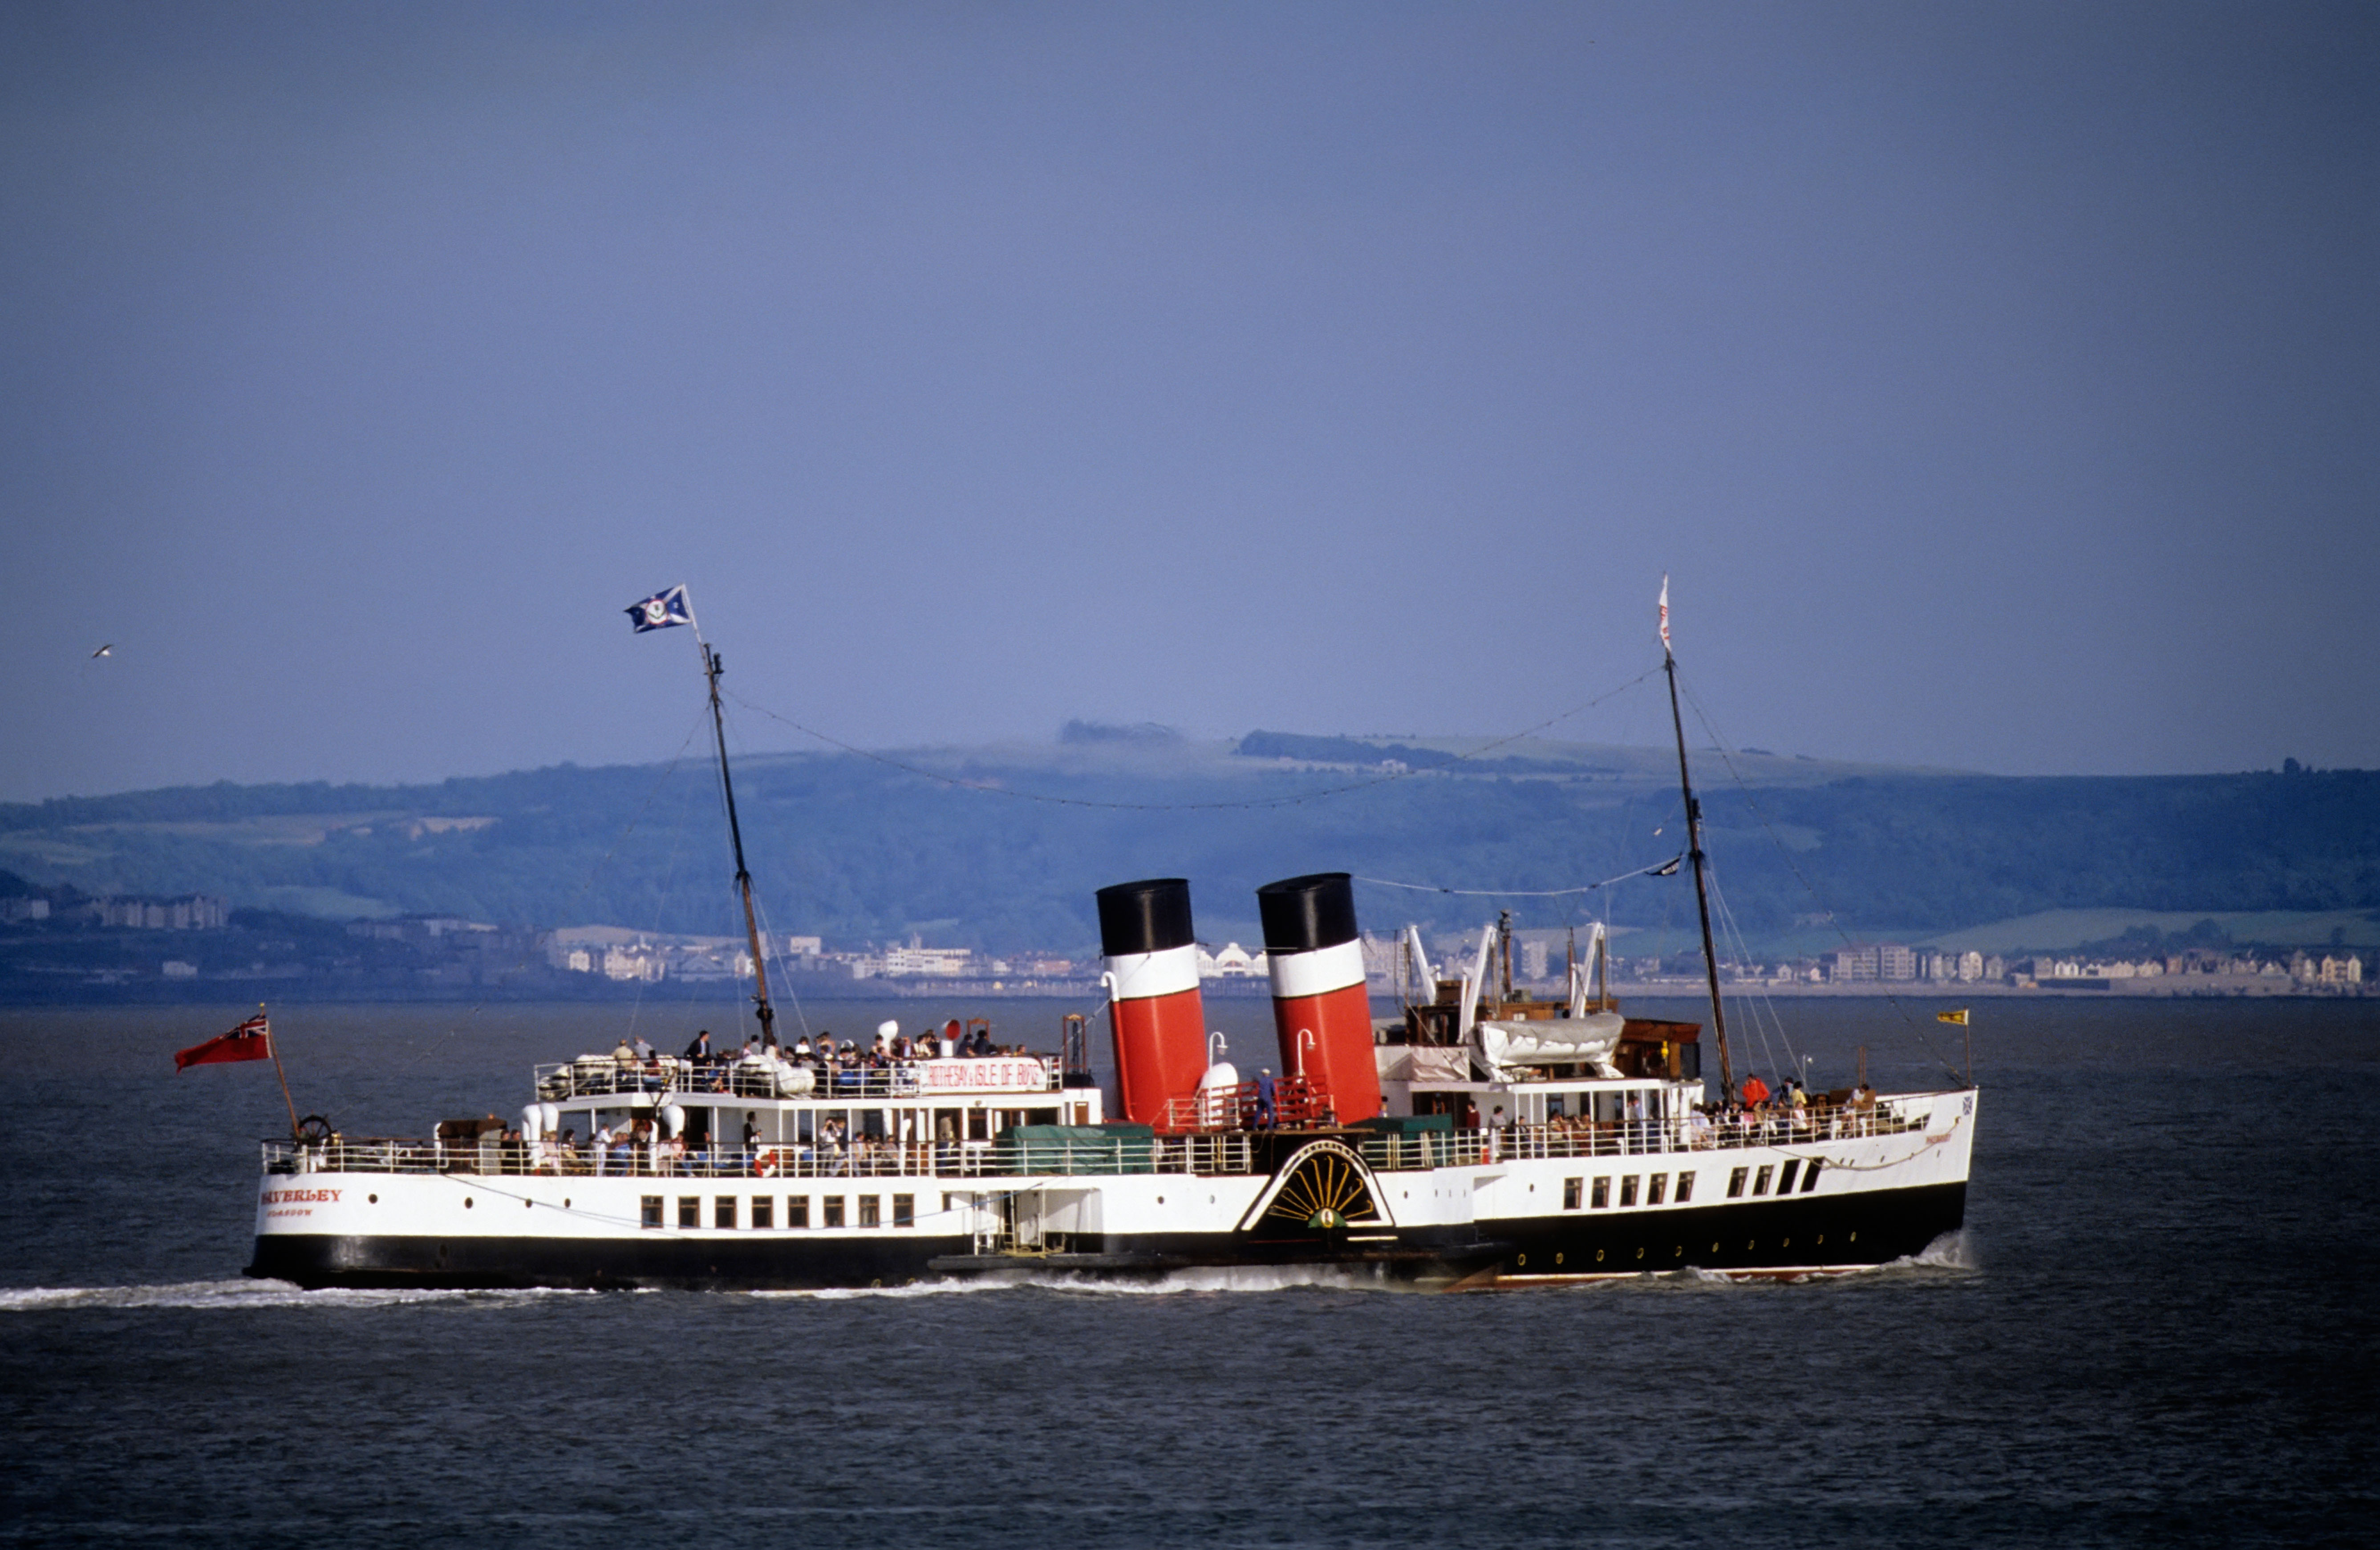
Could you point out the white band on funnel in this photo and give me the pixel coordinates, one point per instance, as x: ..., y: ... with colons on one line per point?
x: 1139, y: 975
x: 1297, y: 975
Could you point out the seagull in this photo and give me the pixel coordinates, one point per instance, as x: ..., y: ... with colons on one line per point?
x: 104, y: 650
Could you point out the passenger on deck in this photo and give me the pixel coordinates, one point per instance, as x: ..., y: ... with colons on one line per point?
x: 700, y: 1050
x: 1265, y: 1111
x: 1470, y: 1114
x: 751, y: 1132
x: 1755, y: 1092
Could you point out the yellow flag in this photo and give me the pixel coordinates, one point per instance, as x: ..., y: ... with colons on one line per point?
x: 1959, y: 1017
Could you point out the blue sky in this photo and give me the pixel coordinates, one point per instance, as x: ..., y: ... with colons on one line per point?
x: 1997, y: 383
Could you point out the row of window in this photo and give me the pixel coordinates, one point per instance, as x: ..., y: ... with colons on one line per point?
x: 1657, y: 1189
x: 1784, y: 1178
x: 1657, y: 1185
x: 724, y: 1210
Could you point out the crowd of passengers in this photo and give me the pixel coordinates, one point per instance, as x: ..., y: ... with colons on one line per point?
x: 640, y: 1068
x: 643, y: 1147
x: 1758, y: 1117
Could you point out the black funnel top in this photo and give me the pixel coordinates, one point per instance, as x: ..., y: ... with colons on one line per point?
x: 1302, y: 914
x: 1147, y: 917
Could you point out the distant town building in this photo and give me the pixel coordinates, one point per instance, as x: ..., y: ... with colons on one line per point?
x: 927, y: 962
x: 199, y: 911
x: 1234, y: 962
x: 634, y: 962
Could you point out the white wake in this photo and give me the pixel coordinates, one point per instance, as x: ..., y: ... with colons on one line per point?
x: 229, y: 1295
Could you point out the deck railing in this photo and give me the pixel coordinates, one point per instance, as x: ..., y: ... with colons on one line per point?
x: 1629, y: 1138
x: 1221, y: 1154
x: 1296, y: 1103
x: 1205, y: 1153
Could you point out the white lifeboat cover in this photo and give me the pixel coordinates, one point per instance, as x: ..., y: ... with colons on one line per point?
x: 1591, y: 1039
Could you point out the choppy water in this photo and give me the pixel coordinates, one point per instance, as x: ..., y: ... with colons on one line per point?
x: 2159, y: 1327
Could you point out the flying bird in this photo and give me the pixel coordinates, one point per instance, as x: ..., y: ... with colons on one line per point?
x: 107, y: 649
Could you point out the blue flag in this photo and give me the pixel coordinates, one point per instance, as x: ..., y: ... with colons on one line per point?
x: 661, y: 611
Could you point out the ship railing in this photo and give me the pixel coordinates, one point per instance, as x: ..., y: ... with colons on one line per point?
x: 1198, y: 1152
x: 1297, y: 1103
x: 602, y: 1076
x: 1625, y: 1138
x: 1224, y: 1153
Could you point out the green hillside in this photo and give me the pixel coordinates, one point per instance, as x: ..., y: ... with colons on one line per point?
x: 857, y: 848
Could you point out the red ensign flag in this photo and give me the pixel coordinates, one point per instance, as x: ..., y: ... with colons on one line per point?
x: 252, y: 1040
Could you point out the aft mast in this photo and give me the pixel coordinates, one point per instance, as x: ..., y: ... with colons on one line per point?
x: 711, y: 669
x: 1694, y: 852
x: 660, y: 611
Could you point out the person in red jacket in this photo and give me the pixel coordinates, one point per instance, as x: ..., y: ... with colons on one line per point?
x: 1755, y: 1092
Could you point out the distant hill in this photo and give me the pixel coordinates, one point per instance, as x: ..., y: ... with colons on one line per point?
x: 858, y: 848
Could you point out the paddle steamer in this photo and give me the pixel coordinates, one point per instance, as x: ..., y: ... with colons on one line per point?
x: 1480, y: 1139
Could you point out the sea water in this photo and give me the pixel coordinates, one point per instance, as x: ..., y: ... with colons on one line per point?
x: 2157, y: 1328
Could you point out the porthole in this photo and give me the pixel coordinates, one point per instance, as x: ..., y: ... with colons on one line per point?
x: 1598, y: 1256
x: 565, y: 1203
x: 1854, y: 1237
x: 1787, y: 1244
x: 1822, y: 1238
x: 1714, y: 1248
x: 1640, y: 1253
x: 528, y: 1204
x: 1677, y: 1253
x: 371, y: 1200
x: 1750, y: 1245
x: 1558, y: 1259
x: 1521, y: 1259
x: 467, y: 1203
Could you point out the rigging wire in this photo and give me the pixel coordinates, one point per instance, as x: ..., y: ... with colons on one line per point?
x: 990, y: 789
x: 661, y: 902
x: 1719, y: 747
x: 1659, y: 869
x: 784, y: 975
x: 767, y: 930
x: 1753, y: 1002
x: 472, y: 1012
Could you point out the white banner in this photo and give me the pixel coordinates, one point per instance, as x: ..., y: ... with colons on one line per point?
x: 999, y: 1074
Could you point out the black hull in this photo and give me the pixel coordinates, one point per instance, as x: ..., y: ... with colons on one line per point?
x: 1845, y: 1231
